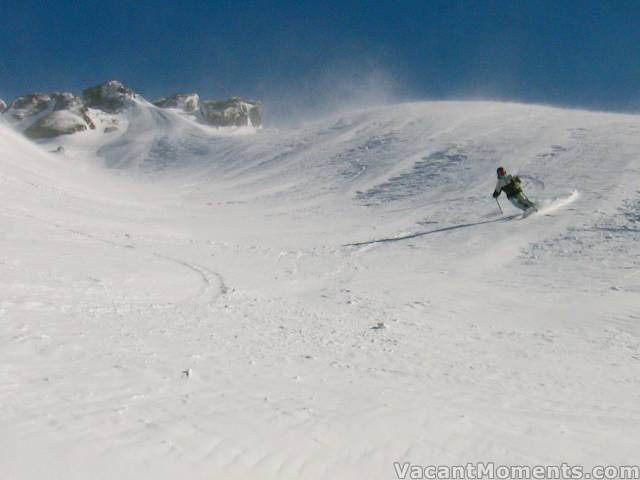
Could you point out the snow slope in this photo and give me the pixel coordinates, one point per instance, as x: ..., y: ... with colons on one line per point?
x: 179, y: 301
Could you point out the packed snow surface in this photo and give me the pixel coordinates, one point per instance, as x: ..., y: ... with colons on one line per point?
x: 320, y: 302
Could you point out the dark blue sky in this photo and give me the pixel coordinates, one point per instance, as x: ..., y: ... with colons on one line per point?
x: 573, y: 53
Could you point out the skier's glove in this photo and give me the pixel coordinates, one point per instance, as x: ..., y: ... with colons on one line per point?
x: 496, y: 194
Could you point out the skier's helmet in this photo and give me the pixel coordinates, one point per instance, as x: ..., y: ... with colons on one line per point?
x: 501, y: 172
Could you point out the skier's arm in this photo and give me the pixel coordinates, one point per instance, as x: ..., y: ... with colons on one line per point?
x: 498, y: 190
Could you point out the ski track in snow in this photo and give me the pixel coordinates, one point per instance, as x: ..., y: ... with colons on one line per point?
x: 212, y: 283
x: 322, y: 301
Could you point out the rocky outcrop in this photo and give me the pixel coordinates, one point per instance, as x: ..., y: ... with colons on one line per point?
x: 111, y: 96
x: 71, y: 103
x: 187, y: 102
x: 234, y: 112
x: 54, y: 124
x: 29, y: 105
x: 47, y: 115
x: 67, y: 101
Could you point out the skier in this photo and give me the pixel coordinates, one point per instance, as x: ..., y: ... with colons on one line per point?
x: 510, y: 185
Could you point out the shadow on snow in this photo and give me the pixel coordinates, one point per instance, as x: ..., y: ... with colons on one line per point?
x: 438, y: 230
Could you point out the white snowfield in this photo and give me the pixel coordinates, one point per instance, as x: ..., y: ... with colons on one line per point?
x: 183, y: 302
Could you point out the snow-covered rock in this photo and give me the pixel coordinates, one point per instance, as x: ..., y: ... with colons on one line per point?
x: 61, y: 122
x: 234, y: 112
x: 75, y: 105
x: 29, y: 105
x: 111, y: 96
x: 3, y: 105
x: 67, y: 101
x: 111, y: 104
x: 187, y: 102
x: 47, y: 115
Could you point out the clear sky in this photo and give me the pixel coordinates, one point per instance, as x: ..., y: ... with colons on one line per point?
x: 573, y: 53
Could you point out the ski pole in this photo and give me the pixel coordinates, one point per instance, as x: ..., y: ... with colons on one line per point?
x: 501, y: 212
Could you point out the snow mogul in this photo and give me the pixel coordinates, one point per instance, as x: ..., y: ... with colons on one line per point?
x: 512, y: 187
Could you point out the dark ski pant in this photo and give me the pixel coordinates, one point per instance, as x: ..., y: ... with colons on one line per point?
x: 521, y: 201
